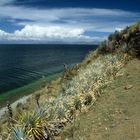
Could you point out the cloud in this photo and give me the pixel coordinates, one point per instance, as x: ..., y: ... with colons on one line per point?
x: 49, y: 34
x: 119, y: 29
x: 87, y: 18
x: 62, y: 24
x: 4, y: 35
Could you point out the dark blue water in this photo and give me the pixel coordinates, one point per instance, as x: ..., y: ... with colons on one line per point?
x: 22, y: 64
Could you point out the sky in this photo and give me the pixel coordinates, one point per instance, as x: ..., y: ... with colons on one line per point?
x: 64, y: 21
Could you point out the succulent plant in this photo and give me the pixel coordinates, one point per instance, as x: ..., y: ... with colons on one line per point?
x: 19, y: 134
x: 33, y: 125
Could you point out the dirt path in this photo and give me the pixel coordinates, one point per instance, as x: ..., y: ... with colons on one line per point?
x: 116, y: 114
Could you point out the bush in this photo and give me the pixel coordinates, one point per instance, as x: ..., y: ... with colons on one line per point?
x: 77, y: 104
x: 127, y: 41
x: 88, y: 99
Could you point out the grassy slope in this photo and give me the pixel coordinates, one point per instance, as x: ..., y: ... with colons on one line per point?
x: 115, y: 116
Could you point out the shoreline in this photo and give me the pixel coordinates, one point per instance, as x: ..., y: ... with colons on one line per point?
x: 14, y: 104
x: 25, y: 91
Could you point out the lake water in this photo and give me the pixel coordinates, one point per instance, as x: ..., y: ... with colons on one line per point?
x: 23, y: 64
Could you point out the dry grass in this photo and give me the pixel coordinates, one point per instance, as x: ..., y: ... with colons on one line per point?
x: 115, y: 116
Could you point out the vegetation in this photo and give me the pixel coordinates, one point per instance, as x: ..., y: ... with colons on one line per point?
x: 45, y: 115
x: 126, y: 41
x: 115, y: 116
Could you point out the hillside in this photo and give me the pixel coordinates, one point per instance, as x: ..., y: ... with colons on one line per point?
x: 79, y: 94
x: 115, y: 116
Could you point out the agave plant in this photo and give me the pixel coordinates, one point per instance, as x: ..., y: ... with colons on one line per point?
x: 19, y: 134
x: 33, y: 126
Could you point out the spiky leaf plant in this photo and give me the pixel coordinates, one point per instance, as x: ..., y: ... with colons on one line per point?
x: 33, y: 126
x: 18, y: 134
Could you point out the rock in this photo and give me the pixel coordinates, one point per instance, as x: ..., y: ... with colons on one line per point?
x: 113, y: 125
x: 128, y: 87
x: 127, y: 74
x: 126, y: 118
x: 105, y: 120
x: 106, y: 128
x: 119, y: 74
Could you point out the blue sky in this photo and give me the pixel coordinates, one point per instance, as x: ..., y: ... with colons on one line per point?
x: 64, y: 21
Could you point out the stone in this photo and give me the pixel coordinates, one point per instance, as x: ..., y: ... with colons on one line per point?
x: 113, y: 125
x: 128, y: 87
x: 127, y: 118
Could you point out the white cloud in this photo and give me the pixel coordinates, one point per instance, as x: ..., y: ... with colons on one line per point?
x: 49, y: 34
x: 4, y: 35
x: 118, y: 29
x: 61, y: 24
x: 87, y: 18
